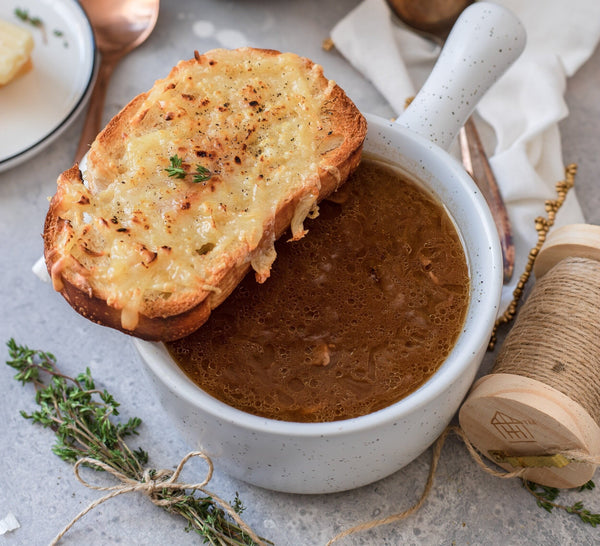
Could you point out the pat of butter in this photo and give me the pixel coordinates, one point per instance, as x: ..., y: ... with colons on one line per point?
x: 16, y: 45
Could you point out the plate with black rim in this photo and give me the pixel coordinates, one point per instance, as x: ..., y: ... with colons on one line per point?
x: 38, y: 106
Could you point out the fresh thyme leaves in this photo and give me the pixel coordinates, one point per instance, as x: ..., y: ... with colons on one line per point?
x: 36, y: 22
x: 202, y: 174
x: 60, y: 34
x: 82, y: 418
x: 587, y: 486
x: 176, y: 170
x: 77, y: 412
x: 23, y: 14
x: 545, y: 497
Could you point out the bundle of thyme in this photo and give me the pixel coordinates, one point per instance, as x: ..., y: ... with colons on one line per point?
x: 82, y: 418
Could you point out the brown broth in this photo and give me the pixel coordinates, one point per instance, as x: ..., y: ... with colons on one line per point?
x: 355, y: 316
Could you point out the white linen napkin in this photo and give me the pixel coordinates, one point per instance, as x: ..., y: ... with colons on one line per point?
x: 522, y: 108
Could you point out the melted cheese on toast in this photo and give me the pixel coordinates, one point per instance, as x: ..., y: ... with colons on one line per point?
x: 145, y: 242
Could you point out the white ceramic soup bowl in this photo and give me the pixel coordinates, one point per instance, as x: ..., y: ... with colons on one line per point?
x: 340, y: 455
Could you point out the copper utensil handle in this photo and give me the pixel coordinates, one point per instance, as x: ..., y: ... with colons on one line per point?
x: 93, y: 118
x: 477, y: 165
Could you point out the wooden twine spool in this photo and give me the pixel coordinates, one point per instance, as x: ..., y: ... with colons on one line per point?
x: 539, y: 409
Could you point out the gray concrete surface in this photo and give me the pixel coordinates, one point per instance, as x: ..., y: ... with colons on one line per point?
x: 466, y: 507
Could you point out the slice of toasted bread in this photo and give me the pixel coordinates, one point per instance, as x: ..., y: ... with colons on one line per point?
x: 191, y: 183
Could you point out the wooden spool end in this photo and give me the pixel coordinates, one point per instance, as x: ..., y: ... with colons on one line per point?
x: 574, y: 240
x: 514, y: 419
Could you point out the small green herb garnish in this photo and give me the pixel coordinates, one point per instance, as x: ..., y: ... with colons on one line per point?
x: 176, y: 170
x: 23, y: 14
x: 545, y: 497
x: 36, y: 22
x: 202, y: 174
x: 82, y: 418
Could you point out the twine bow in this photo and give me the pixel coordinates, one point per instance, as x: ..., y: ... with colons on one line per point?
x: 151, y: 484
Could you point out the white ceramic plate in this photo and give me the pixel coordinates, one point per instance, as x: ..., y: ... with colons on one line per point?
x: 37, y: 107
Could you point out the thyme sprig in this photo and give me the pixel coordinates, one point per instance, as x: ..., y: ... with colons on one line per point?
x: 545, y: 497
x: 82, y: 418
x: 176, y: 170
x: 23, y: 14
x: 32, y: 20
x: 202, y: 174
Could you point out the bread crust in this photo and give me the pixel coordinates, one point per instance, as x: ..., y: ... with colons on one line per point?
x: 338, y: 143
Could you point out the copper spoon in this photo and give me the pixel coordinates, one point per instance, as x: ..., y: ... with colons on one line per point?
x: 119, y: 27
x: 477, y: 165
x: 434, y: 20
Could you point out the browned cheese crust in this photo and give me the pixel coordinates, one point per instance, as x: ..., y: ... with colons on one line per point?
x: 135, y: 249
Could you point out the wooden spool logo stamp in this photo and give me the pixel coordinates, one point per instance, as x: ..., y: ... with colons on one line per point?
x: 513, y: 430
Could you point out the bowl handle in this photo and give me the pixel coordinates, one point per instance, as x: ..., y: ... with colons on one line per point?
x: 485, y: 40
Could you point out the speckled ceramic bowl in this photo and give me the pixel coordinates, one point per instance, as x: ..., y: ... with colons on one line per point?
x: 328, y: 457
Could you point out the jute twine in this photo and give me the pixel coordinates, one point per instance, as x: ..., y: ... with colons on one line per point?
x: 151, y: 484
x: 556, y: 336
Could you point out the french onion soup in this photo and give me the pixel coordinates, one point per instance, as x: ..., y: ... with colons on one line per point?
x: 355, y: 316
